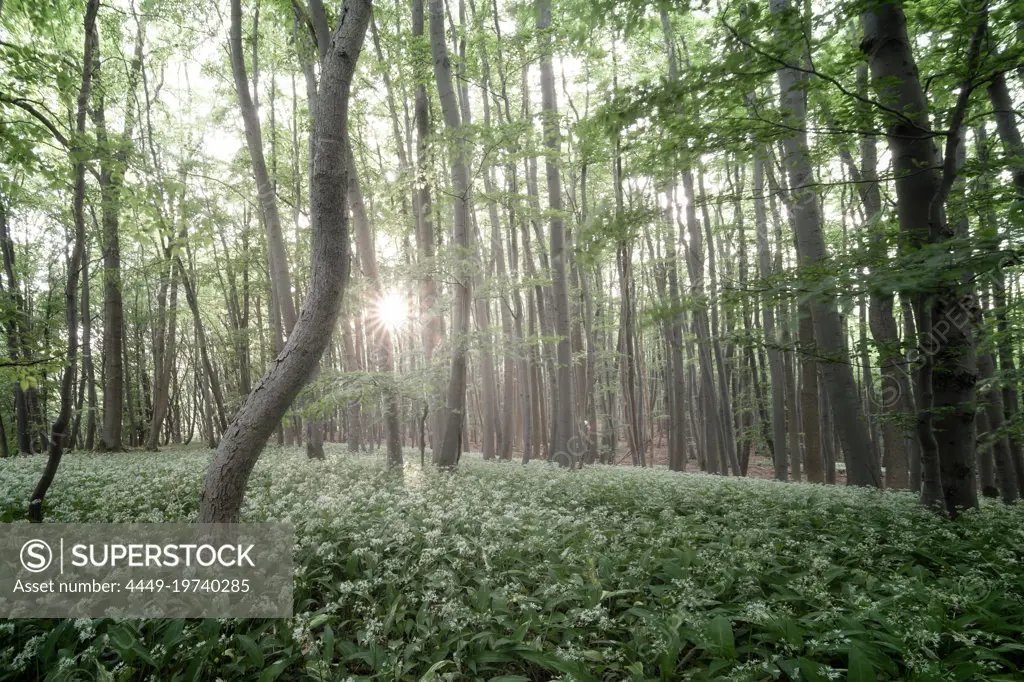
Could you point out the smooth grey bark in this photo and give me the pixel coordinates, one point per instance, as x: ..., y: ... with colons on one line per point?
x: 451, y: 441
x: 714, y: 442
x: 564, y: 409
x: 164, y: 344
x: 112, y: 171
x: 892, y: 394
x: 430, y: 335
x: 17, y: 348
x: 729, y: 452
x: 775, y: 369
x: 851, y: 423
x: 351, y: 363
x: 789, y: 365
x: 200, y: 335
x: 502, y: 420
x: 490, y: 424
x: 58, y: 430
x: 947, y: 373
x: 86, y: 382
x: 1009, y: 391
x: 1004, y: 340
x: 240, y: 448
x: 542, y: 295
x: 1005, y: 474
x: 517, y: 372
x: 1006, y: 125
x: 809, y: 420
x: 279, y: 277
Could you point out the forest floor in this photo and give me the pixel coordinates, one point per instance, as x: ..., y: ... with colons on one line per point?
x: 504, y: 572
x: 657, y: 456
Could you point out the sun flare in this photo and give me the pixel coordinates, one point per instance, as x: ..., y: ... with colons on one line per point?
x: 392, y: 311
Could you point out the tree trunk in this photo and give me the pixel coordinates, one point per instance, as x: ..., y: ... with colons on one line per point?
x: 775, y: 368
x: 809, y: 399
x: 279, y: 278
x: 381, y: 334
x: 1006, y: 477
x: 224, y: 488
x: 947, y: 373
x: 828, y: 328
x: 58, y: 431
x: 451, y: 440
x: 564, y: 416
x: 112, y: 170
x: 163, y: 354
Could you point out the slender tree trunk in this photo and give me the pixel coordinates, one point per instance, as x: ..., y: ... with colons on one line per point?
x: 430, y: 335
x: 828, y: 328
x: 85, y: 386
x: 58, y: 431
x: 1006, y: 125
x: 224, y: 488
x: 112, y: 170
x: 1006, y: 476
x: 809, y: 399
x: 565, y: 421
x: 279, y: 277
x: 15, y: 328
x: 775, y: 368
x: 382, y: 336
x: 164, y: 356
x: 451, y: 442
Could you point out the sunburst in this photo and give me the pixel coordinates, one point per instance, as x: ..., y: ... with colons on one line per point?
x: 392, y: 311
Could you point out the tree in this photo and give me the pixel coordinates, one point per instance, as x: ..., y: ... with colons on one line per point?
x: 239, y: 449
x: 944, y: 311
x: 828, y: 328
x: 565, y: 420
x: 451, y: 439
x: 59, y: 430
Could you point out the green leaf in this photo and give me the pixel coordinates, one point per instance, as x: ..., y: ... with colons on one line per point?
x: 273, y: 672
x: 720, y: 631
x: 253, y: 655
x: 859, y: 668
x: 328, y: 642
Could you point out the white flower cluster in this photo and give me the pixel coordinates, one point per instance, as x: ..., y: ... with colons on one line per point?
x: 499, y: 568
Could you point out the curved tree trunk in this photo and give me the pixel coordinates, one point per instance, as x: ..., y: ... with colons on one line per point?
x: 58, y: 431
x: 224, y: 488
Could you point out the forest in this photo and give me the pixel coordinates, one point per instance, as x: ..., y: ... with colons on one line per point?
x: 577, y: 339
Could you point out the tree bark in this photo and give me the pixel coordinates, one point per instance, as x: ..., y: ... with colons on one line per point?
x: 947, y: 373
x: 381, y: 334
x: 565, y: 420
x: 775, y: 368
x: 430, y: 335
x: 112, y: 170
x: 279, y: 277
x: 454, y: 421
x: 58, y: 431
x: 239, y: 449
x: 829, y: 336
